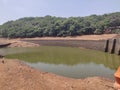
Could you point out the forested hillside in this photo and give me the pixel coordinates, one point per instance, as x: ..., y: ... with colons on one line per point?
x: 58, y: 26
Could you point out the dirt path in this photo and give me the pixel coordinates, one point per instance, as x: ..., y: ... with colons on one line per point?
x: 15, y: 75
x: 84, y: 37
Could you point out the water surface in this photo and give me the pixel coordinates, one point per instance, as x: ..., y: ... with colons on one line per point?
x: 67, y: 61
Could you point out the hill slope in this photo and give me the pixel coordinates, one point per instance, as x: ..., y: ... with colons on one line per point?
x: 58, y: 26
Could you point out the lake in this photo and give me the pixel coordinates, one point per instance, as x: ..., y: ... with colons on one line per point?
x: 66, y: 61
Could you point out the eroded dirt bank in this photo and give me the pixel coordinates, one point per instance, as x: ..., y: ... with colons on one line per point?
x: 14, y: 75
x: 17, y: 43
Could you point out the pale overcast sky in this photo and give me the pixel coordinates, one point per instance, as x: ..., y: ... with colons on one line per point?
x: 15, y: 9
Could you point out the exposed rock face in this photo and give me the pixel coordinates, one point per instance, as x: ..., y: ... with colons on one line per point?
x: 15, y: 75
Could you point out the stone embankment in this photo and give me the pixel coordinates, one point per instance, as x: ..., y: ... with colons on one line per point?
x: 108, y: 44
x: 88, y: 41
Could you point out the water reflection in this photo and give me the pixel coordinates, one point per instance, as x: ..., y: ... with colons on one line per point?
x: 71, y: 62
x: 76, y: 71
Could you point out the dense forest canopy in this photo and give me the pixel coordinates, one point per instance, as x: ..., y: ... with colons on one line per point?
x: 61, y: 27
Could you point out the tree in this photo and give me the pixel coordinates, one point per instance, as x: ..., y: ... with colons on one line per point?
x: 58, y: 26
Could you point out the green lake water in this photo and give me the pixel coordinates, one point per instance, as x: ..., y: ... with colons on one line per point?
x: 67, y: 61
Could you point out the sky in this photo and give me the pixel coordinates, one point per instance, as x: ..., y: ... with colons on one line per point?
x: 15, y: 9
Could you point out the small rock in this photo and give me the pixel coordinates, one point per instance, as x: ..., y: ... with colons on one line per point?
x: 3, y: 61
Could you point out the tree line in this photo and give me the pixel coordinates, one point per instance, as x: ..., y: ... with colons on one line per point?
x: 52, y: 26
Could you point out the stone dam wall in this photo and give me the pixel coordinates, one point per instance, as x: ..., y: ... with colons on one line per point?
x: 89, y: 44
x: 110, y: 45
x: 113, y: 46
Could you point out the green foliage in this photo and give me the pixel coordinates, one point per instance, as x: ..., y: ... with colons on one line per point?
x: 58, y: 26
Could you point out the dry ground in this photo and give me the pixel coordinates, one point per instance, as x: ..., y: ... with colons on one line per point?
x: 17, y: 43
x: 84, y: 37
x: 15, y: 75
